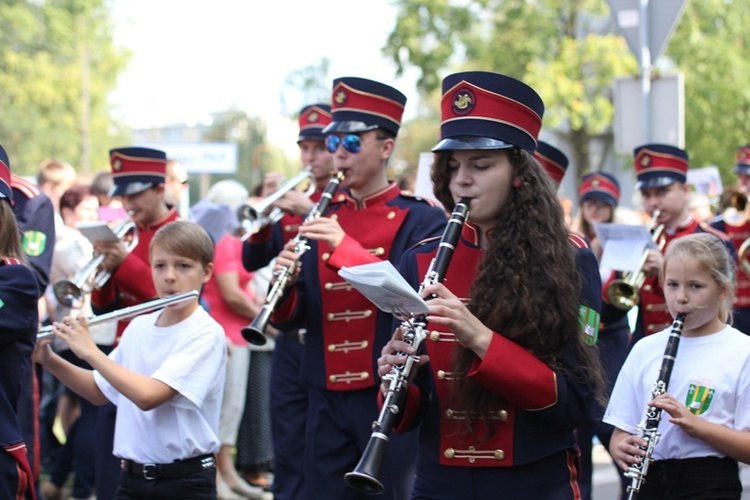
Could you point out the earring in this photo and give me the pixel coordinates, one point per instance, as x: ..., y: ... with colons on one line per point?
x: 516, y: 183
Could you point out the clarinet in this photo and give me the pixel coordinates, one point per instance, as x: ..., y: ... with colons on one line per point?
x: 365, y: 476
x: 255, y: 332
x: 649, y: 430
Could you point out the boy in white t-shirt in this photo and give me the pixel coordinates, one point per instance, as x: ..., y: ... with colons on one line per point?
x: 166, y: 376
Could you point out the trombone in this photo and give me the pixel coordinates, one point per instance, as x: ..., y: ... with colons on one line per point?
x: 70, y: 293
x: 624, y: 293
x: 253, y: 217
x: 127, y: 312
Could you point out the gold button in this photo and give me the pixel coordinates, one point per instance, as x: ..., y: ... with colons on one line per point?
x: 391, y: 215
x: 342, y: 197
x: 650, y: 328
x: 288, y: 228
x: 378, y: 251
x: 448, y: 413
x: 331, y: 347
x: 434, y: 336
x: 649, y: 307
x: 334, y: 217
x: 499, y: 454
x: 647, y: 288
x: 364, y: 376
x: 449, y: 453
x: 502, y: 415
x: 326, y: 256
x: 328, y: 286
x: 368, y: 314
x: 332, y: 378
x: 441, y: 375
x: 330, y: 316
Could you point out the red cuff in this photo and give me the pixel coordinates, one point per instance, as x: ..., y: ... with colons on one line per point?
x: 263, y: 235
x: 134, y: 277
x: 350, y: 253
x: 516, y: 375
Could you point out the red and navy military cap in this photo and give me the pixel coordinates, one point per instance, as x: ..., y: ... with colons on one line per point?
x: 658, y: 165
x: 136, y: 169
x: 359, y: 105
x: 312, y: 120
x: 483, y: 110
x: 553, y: 160
x: 5, y: 189
x: 743, y: 160
x: 600, y: 185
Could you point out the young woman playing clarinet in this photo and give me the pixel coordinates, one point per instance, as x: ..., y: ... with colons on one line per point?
x: 706, y: 424
x: 506, y: 376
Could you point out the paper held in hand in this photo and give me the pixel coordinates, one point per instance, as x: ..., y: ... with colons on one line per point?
x: 623, y: 245
x: 97, y: 231
x: 386, y: 288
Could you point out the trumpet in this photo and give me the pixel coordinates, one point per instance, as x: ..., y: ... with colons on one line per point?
x: 253, y: 217
x: 255, y: 332
x: 365, y: 476
x: 624, y: 293
x: 127, y: 312
x: 70, y: 293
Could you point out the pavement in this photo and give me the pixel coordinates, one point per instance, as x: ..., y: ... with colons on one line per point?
x: 606, y: 482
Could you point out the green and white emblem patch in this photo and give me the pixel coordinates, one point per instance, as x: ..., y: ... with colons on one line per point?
x: 34, y: 243
x: 699, y: 398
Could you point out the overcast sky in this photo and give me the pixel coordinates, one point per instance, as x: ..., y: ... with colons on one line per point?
x: 192, y: 58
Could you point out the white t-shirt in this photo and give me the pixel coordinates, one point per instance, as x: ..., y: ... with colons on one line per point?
x: 190, y: 357
x: 711, y: 376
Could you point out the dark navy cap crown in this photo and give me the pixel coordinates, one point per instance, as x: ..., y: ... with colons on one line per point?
x: 359, y: 105
x: 483, y: 110
x: 658, y: 165
x: 601, y: 185
x: 136, y: 169
x: 312, y: 120
x: 5, y: 190
x: 552, y: 159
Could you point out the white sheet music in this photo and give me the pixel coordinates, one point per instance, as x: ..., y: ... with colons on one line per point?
x: 623, y: 245
x: 97, y: 231
x: 385, y: 287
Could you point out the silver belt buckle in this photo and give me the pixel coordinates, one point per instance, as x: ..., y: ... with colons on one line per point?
x: 149, y: 471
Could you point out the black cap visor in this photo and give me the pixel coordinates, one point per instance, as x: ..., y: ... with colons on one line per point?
x: 471, y: 142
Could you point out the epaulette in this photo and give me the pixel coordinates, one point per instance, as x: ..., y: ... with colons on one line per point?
x: 26, y: 188
x: 10, y: 262
x: 707, y: 228
x: 425, y: 241
x: 577, y: 240
x: 412, y: 196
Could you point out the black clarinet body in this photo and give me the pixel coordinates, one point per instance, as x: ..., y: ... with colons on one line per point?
x: 365, y: 476
x: 649, y: 430
x: 255, y: 332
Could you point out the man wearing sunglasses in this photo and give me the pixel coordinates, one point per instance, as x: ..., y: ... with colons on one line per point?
x: 289, y: 401
x: 369, y: 220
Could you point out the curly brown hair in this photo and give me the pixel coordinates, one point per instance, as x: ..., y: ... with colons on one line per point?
x: 529, y: 271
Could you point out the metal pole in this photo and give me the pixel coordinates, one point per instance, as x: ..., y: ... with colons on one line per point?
x: 645, y: 60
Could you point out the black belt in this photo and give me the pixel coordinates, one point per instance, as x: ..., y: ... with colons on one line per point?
x: 179, y: 468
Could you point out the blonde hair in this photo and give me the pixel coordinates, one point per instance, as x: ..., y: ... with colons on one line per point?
x: 185, y: 239
x: 10, y: 238
x: 713, y: 257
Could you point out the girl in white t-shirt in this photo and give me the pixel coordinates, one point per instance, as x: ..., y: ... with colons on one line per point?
x: 166, y: 376
x: 705, y: 422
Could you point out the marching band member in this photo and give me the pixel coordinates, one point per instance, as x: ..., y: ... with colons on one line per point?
x: 370, y: 220
x: 662, y: 180
x: 166, y: 376
x: 739, y: 231
x: 289, y: 401
x: 599, y: 195
x: 19, y: 292
x: 704, y: 426
x: 138, y: 175
x: 507, y: 374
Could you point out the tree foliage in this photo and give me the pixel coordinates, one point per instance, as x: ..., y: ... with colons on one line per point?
x: 58, y: 64
x: 571, y: 52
